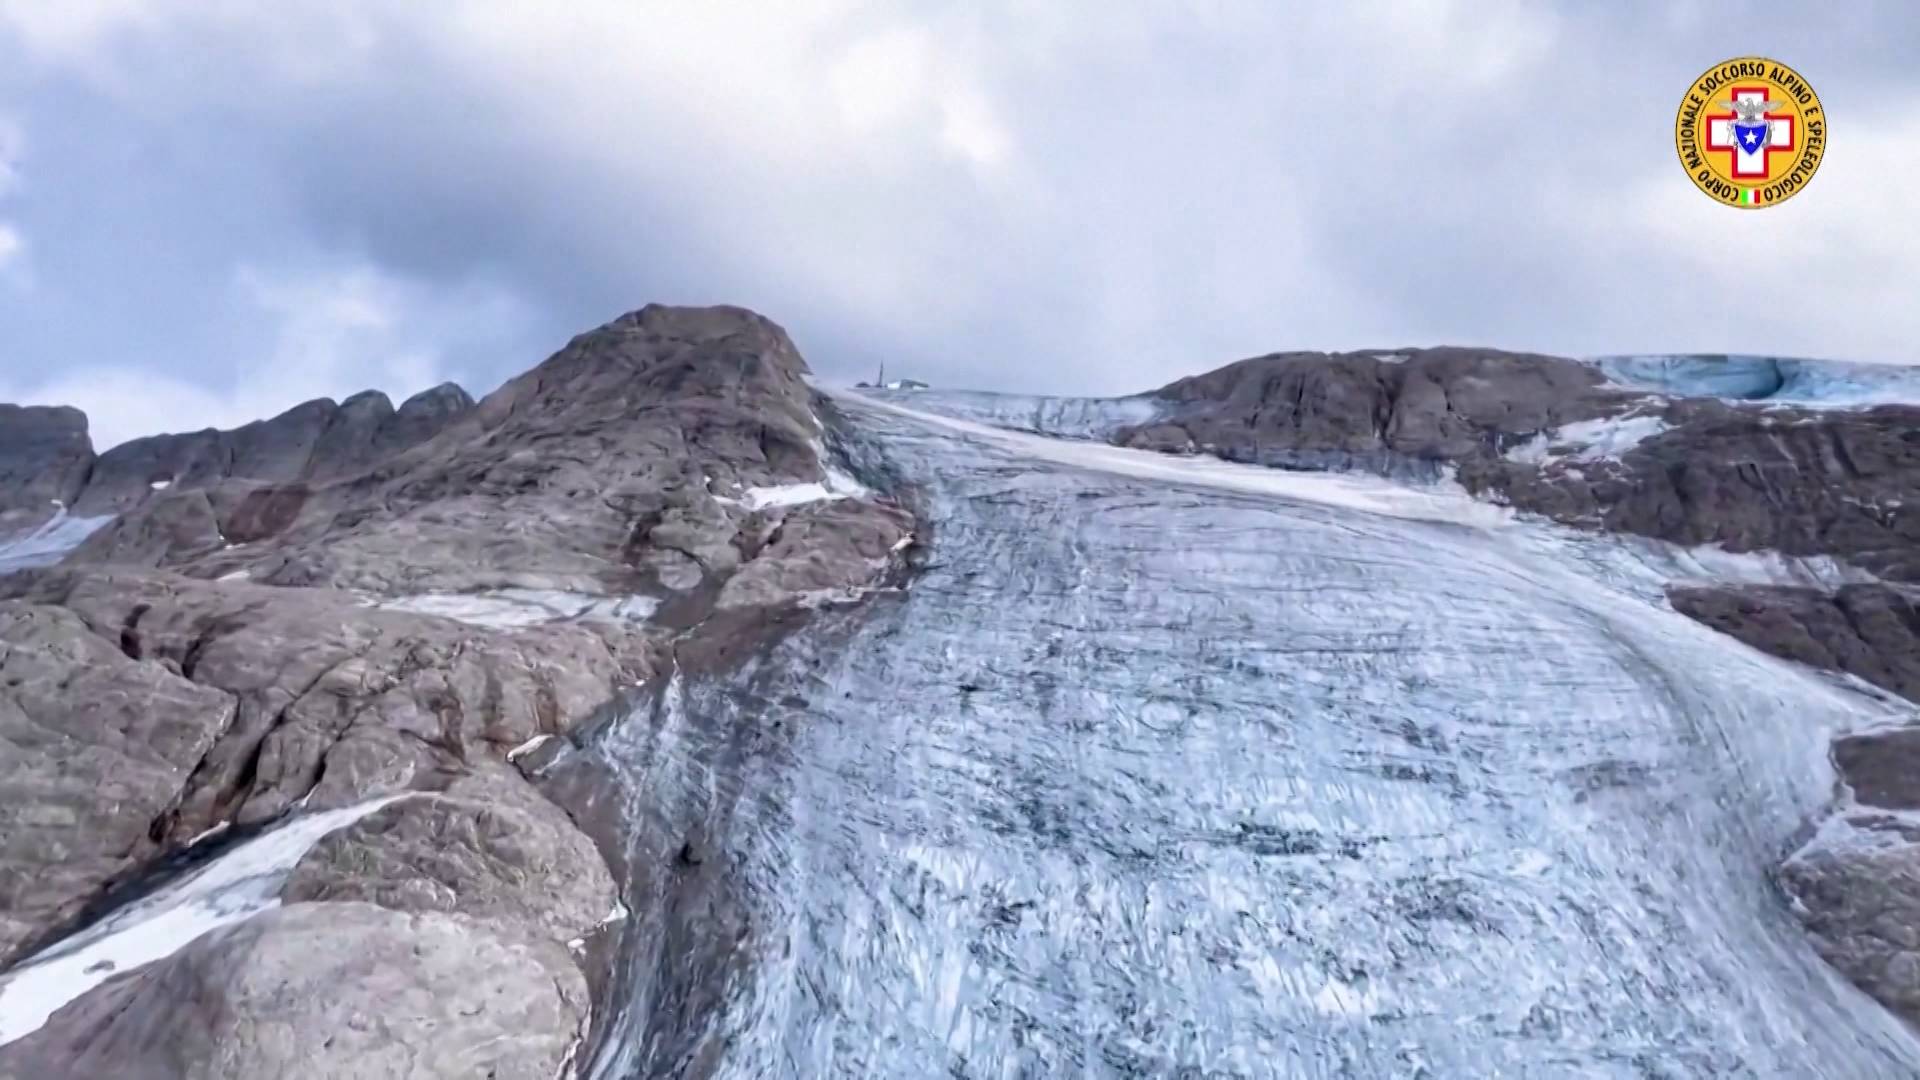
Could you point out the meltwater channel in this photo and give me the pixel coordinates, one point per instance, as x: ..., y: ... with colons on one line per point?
x: 1161, y: 768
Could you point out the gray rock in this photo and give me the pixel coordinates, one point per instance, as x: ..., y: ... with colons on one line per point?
x: 1431, y: 404
x: 45, y: 456
x: 315, y: 441
x: 312, y: 991
x: 1872, y: 631
x: 282, y: 447
x: 95, y: 750
x: 335, y: 702
x: 505, y: 858
x: 124, y: 476
x: 171, y: 527
x: 351, y: 437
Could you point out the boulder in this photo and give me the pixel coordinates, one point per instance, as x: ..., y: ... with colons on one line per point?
x: 490, y: 849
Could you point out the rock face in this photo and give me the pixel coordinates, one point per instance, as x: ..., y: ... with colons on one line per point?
x: 95, y: 746
x: 1548, y: 435
x: 346, y: 602
x: 1373, y: 409
x: 1692, y: 471
x: 45, y: 457
x: 504, y: 861
x: 323, y: 991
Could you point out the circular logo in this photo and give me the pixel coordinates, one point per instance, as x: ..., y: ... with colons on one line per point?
x: 1750, y: 132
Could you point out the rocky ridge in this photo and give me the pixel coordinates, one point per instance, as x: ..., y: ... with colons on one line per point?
x: 352, y: 602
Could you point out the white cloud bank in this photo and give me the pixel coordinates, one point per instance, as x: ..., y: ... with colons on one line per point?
x: 1064, y: 198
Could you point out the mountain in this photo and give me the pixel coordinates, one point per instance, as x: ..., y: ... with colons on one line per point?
x: 1414, y: 711
x: 347, y: 603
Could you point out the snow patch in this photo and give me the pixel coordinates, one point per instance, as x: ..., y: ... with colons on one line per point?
x: 239, y: 884
x: 45, y: 545
x: 513, y: 609
x: 1605, y: 439
x: 161, y: 485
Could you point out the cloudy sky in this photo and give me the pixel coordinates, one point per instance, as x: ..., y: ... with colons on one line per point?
x: 212, y: 211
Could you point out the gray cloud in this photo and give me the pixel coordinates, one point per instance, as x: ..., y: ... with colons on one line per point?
x: 216, y: 211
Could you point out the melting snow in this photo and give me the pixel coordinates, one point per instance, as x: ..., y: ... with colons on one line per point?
x: 511, y: 609
x: 238, y: 884
x: 1605, y: 439
x: 528, y: 747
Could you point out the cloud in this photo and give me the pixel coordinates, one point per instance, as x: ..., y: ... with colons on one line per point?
x: 1004, y: 195
x: 319, y: 334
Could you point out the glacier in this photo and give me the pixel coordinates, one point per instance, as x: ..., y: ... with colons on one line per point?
x: 1775, y: 380
x: 1160, y: 769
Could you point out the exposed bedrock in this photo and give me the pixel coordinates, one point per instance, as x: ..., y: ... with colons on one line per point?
x: 1800, y: 481
x: 324, y: 991
x: 348, y: 602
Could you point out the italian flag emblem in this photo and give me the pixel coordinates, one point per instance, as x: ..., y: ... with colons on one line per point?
x: 1750, y: 196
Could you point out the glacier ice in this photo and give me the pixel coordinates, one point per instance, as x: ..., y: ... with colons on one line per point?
x: 1777, y: 380
x: 1589, y: 440
x: 1156, y: 773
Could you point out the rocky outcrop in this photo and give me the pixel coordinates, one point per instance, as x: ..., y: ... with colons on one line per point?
x: 322, y: 991
x: 1374, y: 409
x: 1872, y: 631
x: 1856, y: 882
x: 363, y: 601
x: 1548, y: 435
x: 45, y: 459
x: 1692, y: 471
x: 95, y: 747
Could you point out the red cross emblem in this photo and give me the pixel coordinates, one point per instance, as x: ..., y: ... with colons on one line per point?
x: 1750, y: 152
